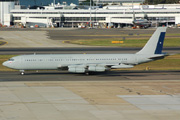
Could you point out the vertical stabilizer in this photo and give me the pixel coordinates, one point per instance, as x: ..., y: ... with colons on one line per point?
x: 155, y: 43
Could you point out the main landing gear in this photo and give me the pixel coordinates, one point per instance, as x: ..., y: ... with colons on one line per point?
x: 22, y: 72
x: 87, y: 73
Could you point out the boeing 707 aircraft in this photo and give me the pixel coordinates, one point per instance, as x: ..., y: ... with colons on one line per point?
x: 85, y: 63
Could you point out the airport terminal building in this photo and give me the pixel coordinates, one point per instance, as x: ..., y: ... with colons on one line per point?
x: 120, y: 2
x: 5, y: 15
x: 114, y: 15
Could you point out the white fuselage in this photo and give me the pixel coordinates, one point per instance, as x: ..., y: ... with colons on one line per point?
x: 55, y: 61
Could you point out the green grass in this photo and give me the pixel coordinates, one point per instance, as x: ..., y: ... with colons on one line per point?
x: 172, y: 42
x: 122, y: 35
x: 169, y: 42
x: 166, y: 64
x: 169, y: 63
x: 173, y: 34
x: 2, y: 42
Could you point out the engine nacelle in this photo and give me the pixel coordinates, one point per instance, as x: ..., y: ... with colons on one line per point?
x: 97, y: 68
x: 122, y: 66
x: 77, y: 69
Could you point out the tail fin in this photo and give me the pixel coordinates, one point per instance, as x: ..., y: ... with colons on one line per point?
x: 155, y: 43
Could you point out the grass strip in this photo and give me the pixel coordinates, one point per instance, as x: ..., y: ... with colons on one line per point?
x: 2, y: 43
x: 122, y: 35
x: 169, y: 42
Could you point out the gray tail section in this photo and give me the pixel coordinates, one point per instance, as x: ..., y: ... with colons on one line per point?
x: 155, y: 43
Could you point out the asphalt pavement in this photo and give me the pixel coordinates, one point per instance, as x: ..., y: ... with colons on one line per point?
x: 79, y: 50
x: 102, y: 76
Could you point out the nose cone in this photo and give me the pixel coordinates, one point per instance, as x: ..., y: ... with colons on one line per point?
x: 5, y: 63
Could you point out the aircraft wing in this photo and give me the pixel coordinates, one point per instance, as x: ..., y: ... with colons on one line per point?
x: 94, y: 67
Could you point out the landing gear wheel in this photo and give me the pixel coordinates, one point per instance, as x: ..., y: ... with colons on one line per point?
x: 22, y: 72
x: 87, y: 73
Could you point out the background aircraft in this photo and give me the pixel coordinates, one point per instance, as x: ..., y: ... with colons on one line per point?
x: 85, y: 63
x: 142, y: 22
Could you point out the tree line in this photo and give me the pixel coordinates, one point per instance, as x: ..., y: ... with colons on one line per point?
x: 87, y: 2
x: 161, y: 1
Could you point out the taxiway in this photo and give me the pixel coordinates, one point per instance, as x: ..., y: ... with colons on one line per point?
x: 142, y: 95
x: 103, y: 76
x: 78, y: 50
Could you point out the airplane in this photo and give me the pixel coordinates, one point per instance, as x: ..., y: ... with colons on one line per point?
x: 86, y: 63
x: 143, y: 22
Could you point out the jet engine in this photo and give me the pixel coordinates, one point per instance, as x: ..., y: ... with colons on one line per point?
x: 77, y: 69
x: 97, y: 68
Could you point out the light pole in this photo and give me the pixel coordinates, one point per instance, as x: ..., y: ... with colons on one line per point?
x: 54, y: 2
x: 90, y: 13
x: 59, y: 19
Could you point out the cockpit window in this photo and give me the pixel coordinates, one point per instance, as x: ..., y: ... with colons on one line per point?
x: 11, y: 59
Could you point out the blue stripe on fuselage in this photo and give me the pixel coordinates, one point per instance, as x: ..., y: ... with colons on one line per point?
x: 160, y: 43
